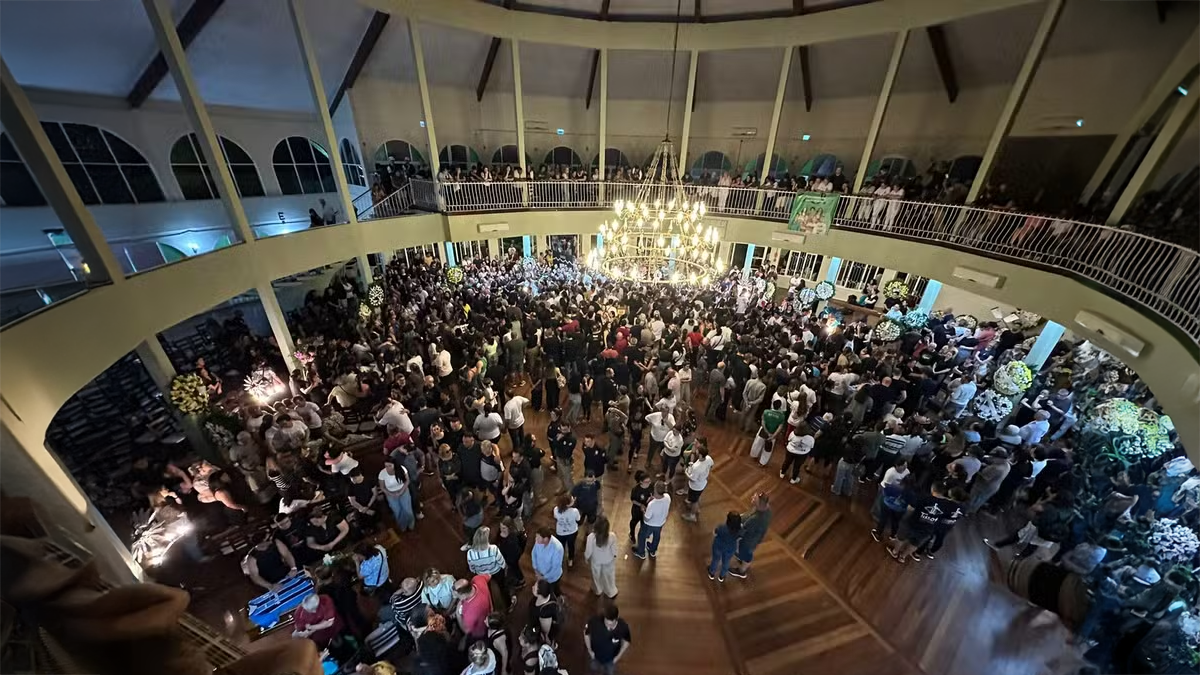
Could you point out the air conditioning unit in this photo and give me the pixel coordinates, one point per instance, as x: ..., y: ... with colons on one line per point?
x: 745, y: 132
x: 492, y: 227
x: 1106, y: 329
x: 978, y: 277
x: 537, y: 125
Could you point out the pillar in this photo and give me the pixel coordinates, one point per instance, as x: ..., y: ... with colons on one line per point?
x: 189, y: 95
x: 158, y: 365
x: 1016, y: 95
x: 932, y: 288
x: 829, y: 269
x: 365, y: 273
x: 1173, y: 129
x: 693, y: 60
x: 414, y: 33
x: 450, y: 260
x: 780, y: 92
x: 311, y: 69
x: 746, y: 263
x: 1049, y: 337
x: 23, y: 128
x: 601, y: 164
x: 881, y: 105
x: 279, y: 327
x: 494, y: 250
x: 543, y: 243
x: 526, y: 246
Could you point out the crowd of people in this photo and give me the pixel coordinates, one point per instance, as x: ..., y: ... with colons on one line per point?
x: 448, y: 371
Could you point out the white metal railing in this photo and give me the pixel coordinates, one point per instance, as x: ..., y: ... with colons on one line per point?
x: 1160, y: 275
x: 396, y: 204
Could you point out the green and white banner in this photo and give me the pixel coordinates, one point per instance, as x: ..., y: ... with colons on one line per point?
x: 812, y: 213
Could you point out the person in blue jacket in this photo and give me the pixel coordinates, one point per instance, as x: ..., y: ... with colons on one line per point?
x: 725, y: 541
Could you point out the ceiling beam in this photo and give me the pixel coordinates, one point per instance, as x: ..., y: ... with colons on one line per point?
x: 194, y: 21
x: 805, y: 78
x: 493, y: 50
x: 592, y: 79
x: 1161, y: 7
x: 365, y: 46
x: 797, y: 7
x: 699, y: 13
x: 941, y: 54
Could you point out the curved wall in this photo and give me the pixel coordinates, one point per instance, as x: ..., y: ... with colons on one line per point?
x: 47, y: 357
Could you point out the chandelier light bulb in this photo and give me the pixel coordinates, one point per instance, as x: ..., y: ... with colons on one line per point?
x: 671, y: 204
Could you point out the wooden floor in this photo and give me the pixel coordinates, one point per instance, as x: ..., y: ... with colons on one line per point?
x: 823, y: 597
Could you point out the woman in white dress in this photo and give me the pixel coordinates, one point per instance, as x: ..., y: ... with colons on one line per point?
x: 881, y: 195
x: 723, y: 185
x: 893, y: 206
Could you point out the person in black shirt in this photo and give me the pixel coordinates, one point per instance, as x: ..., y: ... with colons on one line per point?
x: 292, y: 533
x: 595, y: 458
x: 450, y: 469
x: 925, y: 513
x: 269, y: 562
x: 607, y: 638
x: 639, y: 497
x: 454, y: 433
x: 470, y: 455
x: 364, y: 500
x: 511, y: 541
x: 587, y: 497
x: 325, y: 532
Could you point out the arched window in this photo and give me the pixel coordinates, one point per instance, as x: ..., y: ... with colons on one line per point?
x: 400, y: 152
x: 507, y: 155
x: 302, y: 167
x: 713, y: 161
x: 893, y: 166
x: 17, y: 186
x: 778, y: 166
x: 563, y: 156
x: 612, y: 159
x: 963, y: 169
x: 821, y: 165
x: 195, y: 178
x: 103, y: 168
x: 458, y: 157
x: 352, y: 165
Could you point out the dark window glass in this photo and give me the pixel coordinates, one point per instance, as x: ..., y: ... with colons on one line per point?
x: 17, y: 187
x: 235, y: 153
x: 143, y: 182
x: 183, y: 152
x: 83, y: 185
x: 289, y: 183
x: 89, y: 144
x: 309, y: 179
x: 247, y: 180
x: 8, y: 153
x: 110, y: 184
x: 327, y: 182
x: 282, y: 155
x: 192, y: 183
x: 319, y: 153
x: 212, y: 182
x: 124, y: 152
x: 59, y: 140
x: 302, y: 151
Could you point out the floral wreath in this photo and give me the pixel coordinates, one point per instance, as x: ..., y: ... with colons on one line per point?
x: 376, y: 295
x: 991, y: 406
x: 915, y: 319
x: 888, y: 331
x: 189, y: 394
x: 1012, y: 378
x: 897, y: 289
x: 455, y: 275
x: 825, y: 290
x: 968, y: 321
x: 806, y: 296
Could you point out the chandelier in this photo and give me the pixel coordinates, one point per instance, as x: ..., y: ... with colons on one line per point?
x: 660, y: 235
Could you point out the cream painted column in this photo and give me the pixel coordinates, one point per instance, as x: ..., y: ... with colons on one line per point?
x: 494, y: 249
x: 21, y: 124
x: 317, y: 89
x: 543, y: 244
x: 1183, y: 63
x: 414, y: 34
x: 363, y: 263
x: 780, y: 92
x: 279, y: 327
x: 172, y: 50
x: 601, y: 164
x: 693, y: 60
x: 1174, y: 128
x: 881, y: 105
x: 1017, y: 94
x: 156, y: 362
x: 518, y: 101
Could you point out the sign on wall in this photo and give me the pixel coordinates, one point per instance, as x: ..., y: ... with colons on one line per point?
x: 812, y: 213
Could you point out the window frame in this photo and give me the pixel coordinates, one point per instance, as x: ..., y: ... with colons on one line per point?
x: 92, y: 195
x: 206, y: 171
x: 303, y: 182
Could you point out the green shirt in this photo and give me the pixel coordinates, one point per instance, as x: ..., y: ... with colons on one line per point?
x: 773, y: 419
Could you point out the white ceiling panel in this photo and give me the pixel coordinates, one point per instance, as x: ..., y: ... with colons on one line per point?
x: 453, y: 57
x: 646, y: 75
x: 738, y: 75
x: 554, y: 70
x: 392, y: 58
x: 849, y: 68
x: 94, y: 47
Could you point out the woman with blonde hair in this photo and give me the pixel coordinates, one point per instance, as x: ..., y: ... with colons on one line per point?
x: 601, y: 554
x: 484, y: 557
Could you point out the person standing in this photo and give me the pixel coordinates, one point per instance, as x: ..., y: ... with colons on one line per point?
x: 697, y: 474
x: 754, y: 529
x: 799, y: 444
x: 601, y: 554
x: 652, y: 522
x: 547, y: 557
x: 607, y: 639
x: 725, y: 542
x: 987, y: 482
x: 562, y: 445
x: 474, y: 605
x: 639, y: 497
x: 773, y: 420
x: 514, y: 417
x: 393, y: 480
x: 485, y: 558
x: 566, y: 525
x: 661, y: 423
x: 961, y: 393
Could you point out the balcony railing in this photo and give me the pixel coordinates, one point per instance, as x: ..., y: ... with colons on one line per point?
x: 1162, y: 276
x: 396, y: 204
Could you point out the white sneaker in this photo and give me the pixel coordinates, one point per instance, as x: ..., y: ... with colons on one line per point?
x: 795, y: 480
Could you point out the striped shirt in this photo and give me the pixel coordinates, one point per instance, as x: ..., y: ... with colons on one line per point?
x: 403, y: 605
x: 487, y: 561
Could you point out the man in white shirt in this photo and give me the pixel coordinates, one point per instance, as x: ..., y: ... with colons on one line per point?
x: 961, y: 393
x: 1033, y: 432
x: 652, y: 522
x: 392, y: 412
x: 660, y: 423
x: 328, y: 213
x: 442, y: 363
x: 697, y: 474
x: 308, y: 412
x: 514, y: 419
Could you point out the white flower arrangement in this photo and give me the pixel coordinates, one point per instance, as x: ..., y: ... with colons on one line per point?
x: 455, y: 275
x: 897, y: 289
x: 189, y: 394
x: 219, y: 435
x: 968, y: 321
x: 1012, y: 378
x: 1172, y: 542
x: 262, y: 384
x: 991, y: 406
x: 888, y: 330
x: 806, y: 296
x: 1116, y: 416
x: 825, y: 290
x: 364, y: 310
x: 915, y: 319
x: 155, y: 532
x: 375, y: 295
x: 1026, y: 320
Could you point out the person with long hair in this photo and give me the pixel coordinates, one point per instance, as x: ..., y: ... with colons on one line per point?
x: 601, y: 554
x: 484, y: 557
x: 725, y: 541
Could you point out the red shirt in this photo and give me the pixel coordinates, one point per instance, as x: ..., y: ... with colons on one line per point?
x: 392, y: 442
x: 325, y: 611
x: 695, y: 338
x: 570, y: 326
x: 475, y: 609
